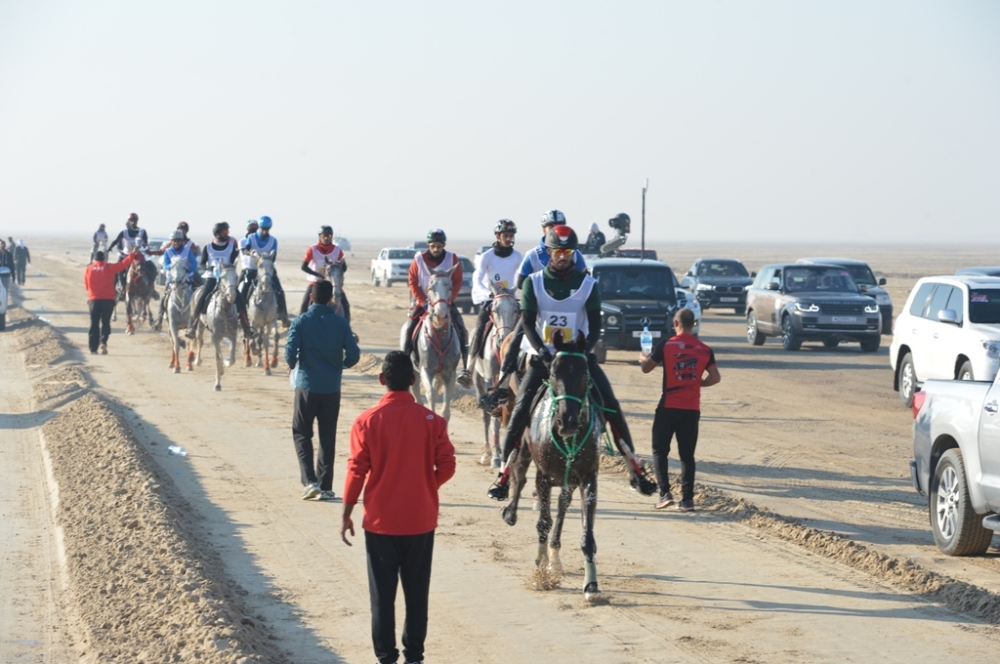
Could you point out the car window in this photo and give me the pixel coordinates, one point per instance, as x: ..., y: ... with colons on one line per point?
x: 819, y: 280
x: 623, y: 283
x: 467, y: 267
x: 956, y: 303
x: 919, y: 303
x: 402, y: 253
x: 862, y: 275
x: 722, y: 269
x: 939, y: 301
x: 984, y: 305
x: 775, y: 277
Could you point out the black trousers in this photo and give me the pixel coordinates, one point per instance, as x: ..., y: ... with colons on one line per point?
x: 476, y: 343
x: 19, y: 267
x: 100, y: 322
x: 391, y: 559
x: 324, y: 409
x: 667, y: 423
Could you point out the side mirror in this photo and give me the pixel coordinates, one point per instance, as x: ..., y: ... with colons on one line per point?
x: 686, y: 282
x: 753, y: 274
x: 948, y: 316
x: 773, y: 286
x: 881, y: 281
x: 689, y: 274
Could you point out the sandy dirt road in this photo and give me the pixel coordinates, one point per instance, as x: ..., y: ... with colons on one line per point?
x: 818, y: 435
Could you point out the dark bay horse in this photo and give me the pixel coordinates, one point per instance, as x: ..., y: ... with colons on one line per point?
x: 563, y: 442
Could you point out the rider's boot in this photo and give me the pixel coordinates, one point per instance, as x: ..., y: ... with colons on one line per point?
x: 163, y: 309
x: 283, y: 311
x: 464, y: 378
x: 500, y: 490
x: 192, y: 328
x: 248, y: 331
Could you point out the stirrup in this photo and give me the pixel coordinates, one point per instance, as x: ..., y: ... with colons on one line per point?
x: 464, y: 378
x: 499, y: 490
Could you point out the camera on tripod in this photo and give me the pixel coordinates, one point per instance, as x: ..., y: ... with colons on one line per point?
x: 621, y: 223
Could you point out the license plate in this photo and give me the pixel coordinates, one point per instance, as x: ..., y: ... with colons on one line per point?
x: 844, y: 319
x: 729, y: 299
x: 638, y: 333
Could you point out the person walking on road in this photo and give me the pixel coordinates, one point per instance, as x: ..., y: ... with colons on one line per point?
x: 99, y: 278
x: 6, y: 270
x: 685, y: 361
x: 400, y: 455
x: 320, y: 344
x: 100, y: 241
x: 22, y: 258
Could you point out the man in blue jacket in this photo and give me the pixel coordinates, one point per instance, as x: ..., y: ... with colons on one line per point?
x: 320, y: 344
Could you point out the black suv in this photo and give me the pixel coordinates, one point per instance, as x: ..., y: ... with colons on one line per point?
x: 720, y: 283
x: 635, y: 293
x: 865, y: 279
x: 811, y: 303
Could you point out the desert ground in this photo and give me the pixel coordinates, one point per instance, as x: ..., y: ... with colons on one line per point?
x: 808, y: 545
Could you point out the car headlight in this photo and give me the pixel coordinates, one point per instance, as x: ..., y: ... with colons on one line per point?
x: 748, y: 287
x: 883, y: 299
x: 611, y: 320
x: 806, y: 308
x: 705, y: 286
x: 871, y: 308
x: 992, y: 348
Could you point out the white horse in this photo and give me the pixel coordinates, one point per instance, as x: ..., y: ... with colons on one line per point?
x: 438, y: 345
x: 179, y: 313
x: 486, y: 369
x: 222, y: 321
x: 262, y: 310
x: 333, y: 271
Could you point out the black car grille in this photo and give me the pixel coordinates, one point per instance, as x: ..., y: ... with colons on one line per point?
x: 729, y: 289
x: 834, y: 309
x: 657, y: 322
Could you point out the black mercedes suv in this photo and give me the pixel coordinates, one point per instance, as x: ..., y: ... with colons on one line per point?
x: 811, y: 303
x: 719, y: 283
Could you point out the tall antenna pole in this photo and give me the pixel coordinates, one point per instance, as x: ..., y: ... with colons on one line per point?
x: 642, y: 252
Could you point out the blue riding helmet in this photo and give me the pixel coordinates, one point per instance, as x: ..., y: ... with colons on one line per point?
x: 265, y: 222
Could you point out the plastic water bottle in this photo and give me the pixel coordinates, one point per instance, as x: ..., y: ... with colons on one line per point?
x: 646, y: 341
x: 176, y: 450
x: 217, y: 271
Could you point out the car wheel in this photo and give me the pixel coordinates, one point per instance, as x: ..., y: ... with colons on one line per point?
x: 753, y: 334
x: 965, y: 371
x: 374, y: 279
x: 831, y: 343
x: 740, y: 311
x: 907, y: 380
x: 958, y: 530
x: 789, y: 340
x: 871, y: 345
x: 387, y: 282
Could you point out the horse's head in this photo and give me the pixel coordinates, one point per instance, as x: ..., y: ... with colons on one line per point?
x: 227, y: 282
x: 333, y: 271
x: 569, y: 381
x: 505, y: 310
x: 439, y: 297
x: 179, y: 271
x: 265, y: 270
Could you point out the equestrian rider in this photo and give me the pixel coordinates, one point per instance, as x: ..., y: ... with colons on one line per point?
x: 315, y: 258
x: 262, y: 242
x: 560, y: 297
x: 100, y: 240
x: 179, y: 249
x: 497, y: 266
x: 419, y: 277
x: 247, y: 259
x: 127, y: 240
x: 224, y: 252
x: 193, y: 274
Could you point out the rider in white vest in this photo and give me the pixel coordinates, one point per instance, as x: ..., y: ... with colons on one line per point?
x: 559, y: 298
x: 262, y: 242
x: 130, y: 238
x: 497, y: 265
x: 177, y: 250
x: 314, y: 262
x: 418, y: 279
x: 224, y: 252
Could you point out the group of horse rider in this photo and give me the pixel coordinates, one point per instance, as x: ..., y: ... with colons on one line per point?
x: 557, y: 296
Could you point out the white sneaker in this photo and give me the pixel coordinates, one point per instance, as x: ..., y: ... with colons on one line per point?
x: 311, y: 491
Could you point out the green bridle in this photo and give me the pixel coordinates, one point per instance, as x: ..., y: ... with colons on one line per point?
x: 570, y: 448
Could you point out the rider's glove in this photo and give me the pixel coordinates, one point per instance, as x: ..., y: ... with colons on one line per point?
x: 546, y: 358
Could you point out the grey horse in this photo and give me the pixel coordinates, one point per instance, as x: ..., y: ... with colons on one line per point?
x: 486, y: 369
x: 179, y: 314
x: 262, y: 310
x: 333, y: 271
x: 438, y: 345
x: 222, y: 321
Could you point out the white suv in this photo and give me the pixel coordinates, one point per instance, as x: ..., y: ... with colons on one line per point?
x: 949, y: 329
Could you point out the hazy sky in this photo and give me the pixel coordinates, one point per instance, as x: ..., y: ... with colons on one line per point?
x: 770, y: 121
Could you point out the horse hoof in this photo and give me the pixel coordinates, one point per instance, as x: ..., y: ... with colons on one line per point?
x: 249, y: 363
x: 496, y: 463
x: 267, y: 372
x: 591, y: 592
x: 484, y: 460
x: 228, y: 363
x: 190, y: 368
x: 198, y: 362
x: 218, y: 388
x: 555, y: 568
x: 177, y: 369
x: 509, y: 515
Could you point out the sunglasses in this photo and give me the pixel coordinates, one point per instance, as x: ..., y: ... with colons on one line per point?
x: 562, y: 252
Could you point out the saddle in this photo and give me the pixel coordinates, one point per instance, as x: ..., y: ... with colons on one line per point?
x: 486, y: 335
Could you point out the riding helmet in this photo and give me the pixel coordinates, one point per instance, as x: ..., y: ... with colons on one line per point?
x: 326, y: 230
x: 505, y: 226
x: 553, y: 218
x: 219, y: 227
x: 436, y: 235
x: 183, y: 226
x: 177, y: 235
x: 265, y: 222
x: 251, y: 226
x: 561, y: 237
x: 133, y: 217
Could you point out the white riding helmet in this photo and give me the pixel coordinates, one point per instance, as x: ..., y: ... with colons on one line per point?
x: 553, y: 218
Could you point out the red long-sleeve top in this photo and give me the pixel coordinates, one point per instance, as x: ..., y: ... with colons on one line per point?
x: 400, y: 455
x: 99, y: 278
x: 413, y: 276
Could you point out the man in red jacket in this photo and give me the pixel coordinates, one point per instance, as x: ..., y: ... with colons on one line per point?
x: 99, y: 279
x: 404, y: 452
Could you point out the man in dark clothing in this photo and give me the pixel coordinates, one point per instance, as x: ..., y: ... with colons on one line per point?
x: 320, y: 344
x: 21, y: 259
x: 6, y: 267
x: 595, y: 240
x: 400, y: 456
x: 685, y: 361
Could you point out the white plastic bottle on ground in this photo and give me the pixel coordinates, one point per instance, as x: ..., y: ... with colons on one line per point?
x: 176, y: 450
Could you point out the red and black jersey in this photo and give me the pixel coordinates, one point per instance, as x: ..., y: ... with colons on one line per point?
x: 685, y: 359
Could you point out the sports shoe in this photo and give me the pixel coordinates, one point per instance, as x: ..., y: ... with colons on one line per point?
x: 686, y: 506
x: 500, y: 490
x: 104, y: 349
x: 93, y: 352
x: 311, y: 491
x: 666, y: 500
x: 326, y: 496
x: 464, y: 379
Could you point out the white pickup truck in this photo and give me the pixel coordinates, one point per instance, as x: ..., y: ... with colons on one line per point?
x: 392, y: 264
x: 956, y: 461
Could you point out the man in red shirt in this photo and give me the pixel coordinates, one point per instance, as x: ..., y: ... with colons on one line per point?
x: 99, y: 278
x: 404, y: 452
x: 685, y: 361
